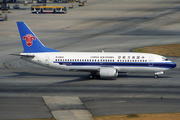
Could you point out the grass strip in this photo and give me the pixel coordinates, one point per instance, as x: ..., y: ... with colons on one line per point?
x: 165, y: 50
x: 156, y: 116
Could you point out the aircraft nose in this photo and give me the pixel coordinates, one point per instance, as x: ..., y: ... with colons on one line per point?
x: 173, y: 65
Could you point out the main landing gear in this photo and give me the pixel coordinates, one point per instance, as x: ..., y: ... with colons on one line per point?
x: 158, y: 73
x: 94, y: 75
x: 91, y: 76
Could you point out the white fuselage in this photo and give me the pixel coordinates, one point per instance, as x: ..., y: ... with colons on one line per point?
x: 93, y: 61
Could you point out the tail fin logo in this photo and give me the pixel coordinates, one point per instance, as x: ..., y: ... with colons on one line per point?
x: 29, y: 39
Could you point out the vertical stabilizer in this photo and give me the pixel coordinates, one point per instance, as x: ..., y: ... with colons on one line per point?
x: 29, y: 40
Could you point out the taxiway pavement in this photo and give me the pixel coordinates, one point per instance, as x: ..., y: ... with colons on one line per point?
x: 109, y: 25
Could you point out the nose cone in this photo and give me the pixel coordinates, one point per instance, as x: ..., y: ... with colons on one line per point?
x: 172, y: 65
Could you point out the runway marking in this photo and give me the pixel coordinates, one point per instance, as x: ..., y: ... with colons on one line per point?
x: 4, y: 65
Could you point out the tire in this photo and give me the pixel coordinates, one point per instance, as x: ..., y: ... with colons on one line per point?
x: 156, y: 76
x: 91, y: 76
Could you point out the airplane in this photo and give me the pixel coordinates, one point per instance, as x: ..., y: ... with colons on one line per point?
x: 105, y: 65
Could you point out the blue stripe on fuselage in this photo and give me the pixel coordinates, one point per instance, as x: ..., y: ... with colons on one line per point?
x: 168, y: 65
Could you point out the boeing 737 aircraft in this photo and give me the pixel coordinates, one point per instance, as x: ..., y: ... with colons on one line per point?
x: 99, y: 64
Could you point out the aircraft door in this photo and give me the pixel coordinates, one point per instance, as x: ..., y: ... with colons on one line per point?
x: 150, y: 61
x: 47, y: 60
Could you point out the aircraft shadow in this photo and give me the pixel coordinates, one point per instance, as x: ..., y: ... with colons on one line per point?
x: 39, y: 74
x: 141, y: 76
x: 82, y: 78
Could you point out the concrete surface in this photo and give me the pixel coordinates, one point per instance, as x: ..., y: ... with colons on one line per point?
x: 109, y: 25
x: 117, y: 106
x: 67, y: 108
x: 15, y: 108
x: 72, y: 115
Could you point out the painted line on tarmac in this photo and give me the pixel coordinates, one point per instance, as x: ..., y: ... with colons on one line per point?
x: 10, y: 68
x: 4, y: 64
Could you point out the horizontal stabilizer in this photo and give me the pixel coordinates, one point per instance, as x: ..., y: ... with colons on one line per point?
x: 27, y: 55
x: 24, y: 54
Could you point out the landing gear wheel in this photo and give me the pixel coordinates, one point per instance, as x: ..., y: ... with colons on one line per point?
x: 156, y: 76
x: 91, y: 76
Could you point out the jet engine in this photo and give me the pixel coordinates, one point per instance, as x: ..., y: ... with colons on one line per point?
x: 108, y: 72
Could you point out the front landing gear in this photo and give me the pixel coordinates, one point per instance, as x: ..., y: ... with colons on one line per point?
x: 156, y: 76
x: 158, y: 73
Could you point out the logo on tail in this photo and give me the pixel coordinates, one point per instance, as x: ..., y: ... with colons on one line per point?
x: 30, y: 42
x: 29, y: 39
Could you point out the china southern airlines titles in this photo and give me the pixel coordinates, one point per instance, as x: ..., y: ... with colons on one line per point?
x: 99, y: 64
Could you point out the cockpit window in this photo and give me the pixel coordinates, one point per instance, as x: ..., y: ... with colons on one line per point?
x: 164, y: 59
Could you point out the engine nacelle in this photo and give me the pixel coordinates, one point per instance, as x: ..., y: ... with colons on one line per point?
x: 108, y: 72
